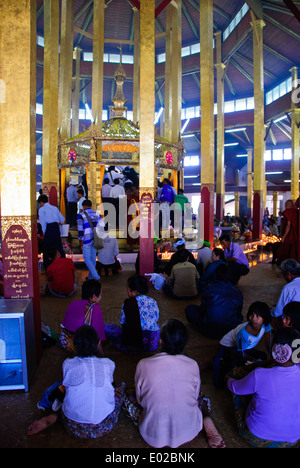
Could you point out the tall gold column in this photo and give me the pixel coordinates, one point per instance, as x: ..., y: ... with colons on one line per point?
x: 136, y: 67
x: 65, y: 69
x: 98, y: 52
x: 147, y: 114
x: 65, y: 85
x: 207, y: 117
x: 173, y: 72
x: 18, y: 155
x: 220, y: 180
x: 295, y: 117
x: 259, y: 128
x: 76, y: 92
x: 249, y: 183
x: 50, y: 100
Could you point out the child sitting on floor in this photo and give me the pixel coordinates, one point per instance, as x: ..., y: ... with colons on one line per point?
x: 237, y: 346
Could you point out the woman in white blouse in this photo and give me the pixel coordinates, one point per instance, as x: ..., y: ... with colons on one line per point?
x: 91, y: 404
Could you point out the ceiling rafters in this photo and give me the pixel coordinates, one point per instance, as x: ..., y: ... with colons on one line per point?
x: 291, y: 5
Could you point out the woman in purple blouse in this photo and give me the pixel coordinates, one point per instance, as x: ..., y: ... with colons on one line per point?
x: 272, y: 417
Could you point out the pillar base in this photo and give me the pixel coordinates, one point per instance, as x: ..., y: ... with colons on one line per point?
x: 146, y: 232
x: 257, y: 215
x: 207, y: 199
x: 51, y: 190
x: 220, y: 206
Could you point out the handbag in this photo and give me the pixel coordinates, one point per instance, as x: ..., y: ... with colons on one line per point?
x: 98, y: 241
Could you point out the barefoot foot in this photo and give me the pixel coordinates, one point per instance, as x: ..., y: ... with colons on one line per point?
x: 213, y: 437
x: 42, y: 424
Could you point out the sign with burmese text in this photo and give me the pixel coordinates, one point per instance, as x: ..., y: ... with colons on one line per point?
x: 17, y: 264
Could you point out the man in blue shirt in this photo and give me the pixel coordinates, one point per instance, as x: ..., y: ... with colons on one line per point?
x: 86, y: 236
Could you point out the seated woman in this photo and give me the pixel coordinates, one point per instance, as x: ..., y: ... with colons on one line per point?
x: 270, y: 419
x: 84, y: 311
x: 237, y: 346
x: 91, y: 405
x: 139, y: 329
x: 183, y: 281
x: 167, y: 404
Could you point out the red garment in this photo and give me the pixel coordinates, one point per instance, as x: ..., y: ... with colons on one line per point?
x: 61, y: 275
x: 289, y: 248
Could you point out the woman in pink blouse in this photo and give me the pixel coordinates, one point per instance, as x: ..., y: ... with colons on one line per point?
x: 167, y: 404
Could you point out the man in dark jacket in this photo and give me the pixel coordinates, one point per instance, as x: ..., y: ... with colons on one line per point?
x: 221, y: 307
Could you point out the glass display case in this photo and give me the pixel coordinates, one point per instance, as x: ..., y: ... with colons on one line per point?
x: 17, y: 344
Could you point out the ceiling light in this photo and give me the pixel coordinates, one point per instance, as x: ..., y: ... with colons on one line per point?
x: 280, y: 118
x: 241, y: 155
x: 231, y: 144
x: 89, y: 114
x: 158, y: 115
x: 190, y: 135
x: 271, y: 173
x: 232, y: 130
x: 185, y: 125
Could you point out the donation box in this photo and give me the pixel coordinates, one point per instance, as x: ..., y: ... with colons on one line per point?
x: 17, y: 344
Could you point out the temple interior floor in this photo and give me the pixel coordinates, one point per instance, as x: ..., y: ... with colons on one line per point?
x: 19, y: 409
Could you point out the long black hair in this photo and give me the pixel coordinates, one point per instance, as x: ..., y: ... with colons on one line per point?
x: 174, y: 337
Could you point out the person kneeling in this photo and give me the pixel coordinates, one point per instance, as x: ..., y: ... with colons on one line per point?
x: 61, y: 275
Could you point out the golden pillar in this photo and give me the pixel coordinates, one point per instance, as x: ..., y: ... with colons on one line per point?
x: 249, y: 183
x: 220, y: 180
x: 295, y: 117
x: 50, y: 100
x: 207, y: 118
x: 173, y: 72
x: 275, y: 204
x: 18, y: 155
x: 65, y: 86
x: 94, y: 175
x: 259, y: 128
x: 136, y: 67
x: 147, y: 114
x: 98, y: 52
x: 65, y: 69
x: 76, y: 93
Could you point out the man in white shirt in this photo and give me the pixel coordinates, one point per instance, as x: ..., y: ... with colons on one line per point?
x: 291, y: 291
x: 106, y: 188
x: 107, y: 261
x: 72, y: 203
x: 117, y: 190
x: 81, y: 198
x: 50, y: 218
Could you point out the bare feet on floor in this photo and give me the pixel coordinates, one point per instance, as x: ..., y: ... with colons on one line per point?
x: 42, y: 424
x: 213, y: 437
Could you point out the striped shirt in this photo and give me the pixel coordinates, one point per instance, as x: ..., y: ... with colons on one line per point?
x: 85, y: 232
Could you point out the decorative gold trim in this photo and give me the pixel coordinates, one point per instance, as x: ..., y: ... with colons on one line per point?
x: 147, y: 191
x: 25, y: 222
